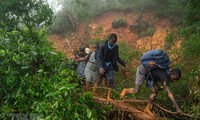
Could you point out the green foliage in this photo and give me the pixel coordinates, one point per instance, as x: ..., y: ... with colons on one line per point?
x: 148, y: 30
x: 127, y: 53
x: 189, y: 85
x: 15, y: 14
x: 143, y: 28
x: 191, y: 30
x: 63, y: 22
x: 172, y: 9
x: 192, y: 14
x: 191, y: 35
x: 187, y: 92
x: 86, y: 9
x: 34, y: 79
x: 169, y: 40
x: 194, y: 93
x: 119, y: 23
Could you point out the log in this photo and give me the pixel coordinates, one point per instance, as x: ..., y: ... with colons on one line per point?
x: 138, y: 114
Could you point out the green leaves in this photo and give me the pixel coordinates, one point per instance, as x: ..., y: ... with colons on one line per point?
x: 51, y: 94
x: 89, y: 114
x: 31, y: 14
x: 2, y: 53
x: 34, y: 78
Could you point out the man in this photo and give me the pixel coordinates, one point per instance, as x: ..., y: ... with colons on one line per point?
x: 107, y: 58
x: 81, y: 64
x: 91, y: 69
x: 159, y: 72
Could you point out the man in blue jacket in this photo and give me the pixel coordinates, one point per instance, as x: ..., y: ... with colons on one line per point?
x: 107, y: 58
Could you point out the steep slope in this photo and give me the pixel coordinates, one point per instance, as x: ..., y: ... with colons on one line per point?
x: 101, y: 27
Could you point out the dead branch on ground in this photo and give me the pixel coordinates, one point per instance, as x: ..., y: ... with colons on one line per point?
x: 138, y: 114
x: 124, y: 105
x: 174, y: 113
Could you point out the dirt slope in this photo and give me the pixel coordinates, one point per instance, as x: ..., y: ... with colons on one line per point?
x: 101, y: 27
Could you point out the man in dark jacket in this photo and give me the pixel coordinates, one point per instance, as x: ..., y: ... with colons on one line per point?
x: 107, y: 58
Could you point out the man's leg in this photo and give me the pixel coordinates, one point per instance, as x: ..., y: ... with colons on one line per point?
x: 109, y: 94
x: 140, y: 76
x: 110, y: 78
x: 96, y: 83
x: 104, y: 81
x: 130, y: 90
x: 89, y: 78
x: 152, y: 98
x: 95, y: 89
x: 87, y: 86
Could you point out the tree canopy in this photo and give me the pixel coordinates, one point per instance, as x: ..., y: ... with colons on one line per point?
x: 29, y: 13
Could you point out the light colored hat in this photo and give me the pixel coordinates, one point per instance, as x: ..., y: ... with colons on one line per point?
x: 87, y: 50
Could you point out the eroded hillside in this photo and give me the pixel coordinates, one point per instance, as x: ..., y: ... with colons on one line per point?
x: 101, y: 27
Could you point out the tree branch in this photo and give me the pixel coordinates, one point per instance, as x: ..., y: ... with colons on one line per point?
x: 138, y: 114
x: 175, y: 113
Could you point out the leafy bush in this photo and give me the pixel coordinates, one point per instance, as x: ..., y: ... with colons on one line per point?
x: 64, y: 22
x: 119, y: 23
x: 34, y: 79
x: 143, y: 28
x: 16, y: 15
x: 127, y: 53
x: 189, y: 85
x: 194, y: 93
x: 191, y: 35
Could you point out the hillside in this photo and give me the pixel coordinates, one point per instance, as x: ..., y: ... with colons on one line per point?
x: 101, y: 27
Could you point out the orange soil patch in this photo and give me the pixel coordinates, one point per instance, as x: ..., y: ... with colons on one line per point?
x: 101, y: 27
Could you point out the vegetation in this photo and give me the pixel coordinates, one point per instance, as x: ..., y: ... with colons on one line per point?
x: 143, y: 29
x: 190, y: 33
x: 36, y: 79
x: 74, y: 11
x: 119, y: 23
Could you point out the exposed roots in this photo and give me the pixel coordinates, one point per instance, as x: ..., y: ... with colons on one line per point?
x: 124, y: 110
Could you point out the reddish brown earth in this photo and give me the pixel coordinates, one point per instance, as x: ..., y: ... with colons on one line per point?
x: 101, y: 27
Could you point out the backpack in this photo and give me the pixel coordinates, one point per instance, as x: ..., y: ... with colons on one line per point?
x: 160, y: 58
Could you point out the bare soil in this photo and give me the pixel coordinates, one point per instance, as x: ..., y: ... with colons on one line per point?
x: 101, y: 27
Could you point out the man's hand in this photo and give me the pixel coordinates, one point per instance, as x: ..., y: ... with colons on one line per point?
x: 126, y: 72
x: 101, y: 71
x: 151, y: 63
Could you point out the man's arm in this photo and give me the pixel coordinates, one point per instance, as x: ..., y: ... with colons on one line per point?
x: 85, y: 58
x: 171, y: 97
x: 100, y: 56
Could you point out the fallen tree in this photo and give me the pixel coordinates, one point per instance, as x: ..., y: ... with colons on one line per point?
x: 123, y: 106
x: 136, y: 113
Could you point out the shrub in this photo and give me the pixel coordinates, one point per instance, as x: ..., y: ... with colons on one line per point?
x: 34, y: 79
x: 142, y: 28
x: 119, y: 23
